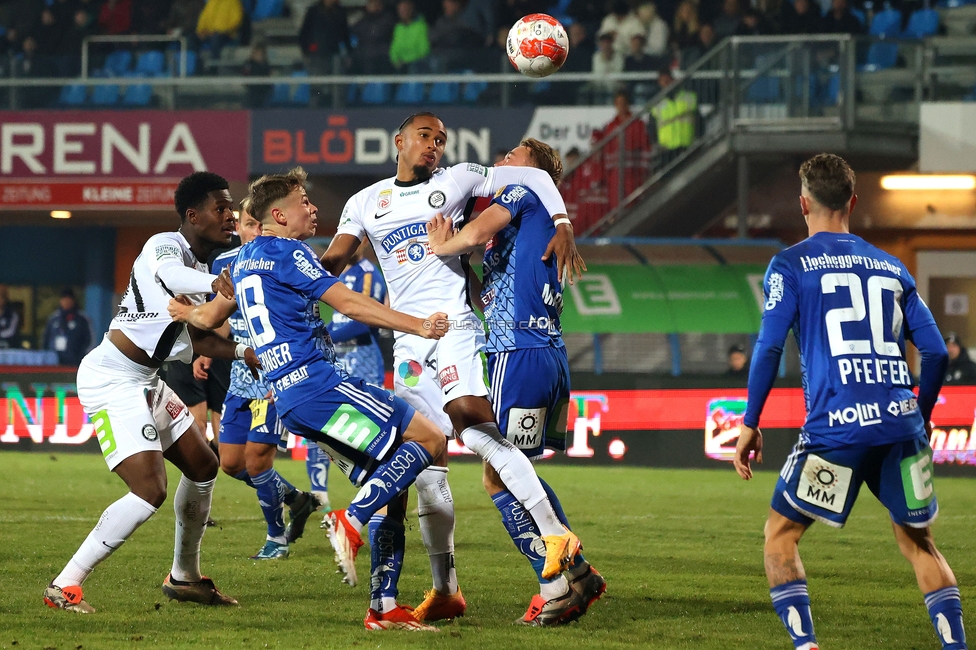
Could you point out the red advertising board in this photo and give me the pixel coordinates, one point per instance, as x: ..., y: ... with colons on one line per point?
x: 72, y: 195
x: 100, y: 146
x: 50, y: 414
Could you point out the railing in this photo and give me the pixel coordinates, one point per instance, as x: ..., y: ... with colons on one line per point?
x: 751, y: 84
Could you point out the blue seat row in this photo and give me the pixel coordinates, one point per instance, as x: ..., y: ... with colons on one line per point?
x: 412, y: 93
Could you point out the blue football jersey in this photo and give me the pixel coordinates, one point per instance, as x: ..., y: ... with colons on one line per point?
x: 278, y: 282
x: 851, y: 307
x: 357, y: 345
x: 522, y: 296
x: 242, y: 383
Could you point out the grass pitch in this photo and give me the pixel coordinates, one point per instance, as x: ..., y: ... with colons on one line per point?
x: 681, y: 550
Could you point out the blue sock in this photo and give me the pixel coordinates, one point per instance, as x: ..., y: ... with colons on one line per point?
x: 390, y: 479
x: 522, y: 530
x: 243, y: 476
x: 558, y: 509
x: 317, y: 466
x: 945, y: 610
x: 271, y: 489
x: 387, y: 542
x: 792, y: 604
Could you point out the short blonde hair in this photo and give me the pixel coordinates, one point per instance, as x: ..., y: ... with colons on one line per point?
x: 545, y: 158
x: 271, y: 188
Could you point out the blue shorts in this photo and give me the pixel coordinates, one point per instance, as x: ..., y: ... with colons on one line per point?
x: 245, y: 420
x: 359, y: 425
x: 821, y: 483
x: 530, y: 394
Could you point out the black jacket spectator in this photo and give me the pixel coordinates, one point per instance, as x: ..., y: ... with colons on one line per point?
x: 481, y: 16
x: 727, y: 22
x: 71, y: 42
x: 961, y: 370
x: 581, y: 50
x: 68, y: 331
x: 33, y: 66
x: 802, y: 17
x: 451, y: 41
x: 257, y: 66
x: 324, y: 33
x: 840, y: 20
x: 183, y: 16
x: 588, y: 12
x: 48, y: 34
x: 373, y: 33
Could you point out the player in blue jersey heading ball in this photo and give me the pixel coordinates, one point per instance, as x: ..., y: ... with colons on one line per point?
x: 851, y: 307
x: 376, y: 439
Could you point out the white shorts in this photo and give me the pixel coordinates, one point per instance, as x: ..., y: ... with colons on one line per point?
x: 428, y: 374
x: 132, y: 409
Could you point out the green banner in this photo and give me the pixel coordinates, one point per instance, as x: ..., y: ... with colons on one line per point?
x: 665, y: 299
x: 660, y: 299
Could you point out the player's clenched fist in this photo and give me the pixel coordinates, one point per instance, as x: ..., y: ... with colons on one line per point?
x: 435, y: 326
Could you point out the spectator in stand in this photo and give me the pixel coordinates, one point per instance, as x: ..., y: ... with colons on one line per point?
x: 728, y: 21
x: 148, y: 17
x: 686, y: 26
x: 68, y: 331
x: 481, y: 16
x: 773, y: 13
x: 410, y: 45
x: 257, y: 66
x: 373, y: 33
x: 219, y: 23
x: 10, y: 44
x: 81, y: 27
x: 324, y: 36
x: 706, y: 41
x: 637, y: 59
x: 31, y: 65
x: 115, y: 17
x: 803, y: 19
x: 840, y: 20
x: 675, y: 119
x: 738, y: 363
x: 636, y: 150
x: 606, y: 61
x: 961, y: 370
x: 580, y: 57
x: 48, y: 35
x: 752, y: 24
x: 655, y: 29
x: 588, y: 13
x: 623, y: 23
x: 453, y: 45
x: 511, y: 11
x: 182, y: 19
x: 9, y: 321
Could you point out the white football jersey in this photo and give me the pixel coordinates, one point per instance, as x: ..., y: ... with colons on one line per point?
x: 143, y: 315
x: 394, y: 216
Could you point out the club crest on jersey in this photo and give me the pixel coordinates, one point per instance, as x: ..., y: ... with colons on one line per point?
x: 383, y: 202
x: 436, y: 199
x: 149, y: 433
x: 415, y: 252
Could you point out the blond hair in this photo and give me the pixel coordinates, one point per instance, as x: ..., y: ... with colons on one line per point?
x: 271, y: 188
x: 545, y: 158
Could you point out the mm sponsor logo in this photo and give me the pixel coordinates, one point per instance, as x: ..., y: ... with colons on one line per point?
x: 863, y: 414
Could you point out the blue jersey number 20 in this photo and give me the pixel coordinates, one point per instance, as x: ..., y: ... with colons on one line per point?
x: 874, y: 310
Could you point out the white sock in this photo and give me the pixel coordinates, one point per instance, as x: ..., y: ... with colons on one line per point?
x: 516, y: 472
x: 116, y: 524
x: 192, y: 507
x: 387, y: 604
x: 554, y: 589
x: 435, y: 510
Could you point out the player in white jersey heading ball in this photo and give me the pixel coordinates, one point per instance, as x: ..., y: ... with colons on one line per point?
x: 138, y: 419
x: 445, y: 380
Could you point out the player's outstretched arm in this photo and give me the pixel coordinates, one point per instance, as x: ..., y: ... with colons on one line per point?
x: 211, y: 344
x: 447, y: 243
x: 208, y: 316
x: 340, y: 251
x: 366, y: 310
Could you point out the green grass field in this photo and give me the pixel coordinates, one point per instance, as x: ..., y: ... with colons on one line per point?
x: 681, y: 550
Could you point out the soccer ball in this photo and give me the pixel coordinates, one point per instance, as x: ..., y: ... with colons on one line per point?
x: 537, y: 45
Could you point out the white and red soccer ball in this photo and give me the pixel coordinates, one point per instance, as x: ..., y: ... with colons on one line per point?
x: 537, y: 45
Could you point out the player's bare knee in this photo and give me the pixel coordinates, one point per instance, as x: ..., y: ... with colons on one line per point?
x: 151, y: 491
x: 231, y: 468
x: 203, y: 469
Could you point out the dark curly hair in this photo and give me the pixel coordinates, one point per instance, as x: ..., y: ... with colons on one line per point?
x: 194, y: 190
x: 829, y: 179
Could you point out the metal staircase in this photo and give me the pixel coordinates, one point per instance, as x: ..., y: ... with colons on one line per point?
x: 761, y: 102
